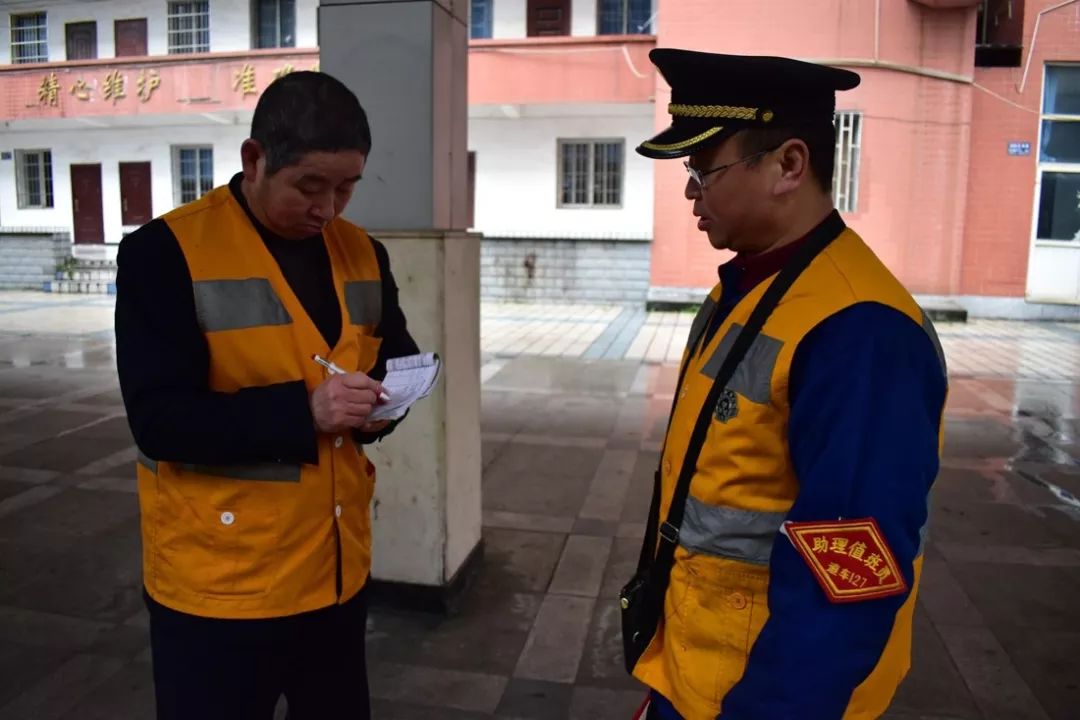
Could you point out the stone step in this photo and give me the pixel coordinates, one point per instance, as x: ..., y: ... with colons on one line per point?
x: 31, y: 265
x: 945, y: 311
x: 95, y: 264
x: 30, y: 260
x: 10, y: 252
x: 80, y: 288
x: 15, y: 275
x: 85, y: 276
x: 9, y: 284
x: 81, y: 275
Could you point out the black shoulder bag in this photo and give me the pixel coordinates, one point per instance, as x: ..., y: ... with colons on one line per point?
x: 642, y: 599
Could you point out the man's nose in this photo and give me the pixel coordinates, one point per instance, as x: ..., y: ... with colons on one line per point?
x: 323, y: 208
x: 693, y: 190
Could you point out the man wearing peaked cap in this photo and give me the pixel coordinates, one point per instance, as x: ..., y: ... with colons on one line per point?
x: 784, y: 547
x: 757, y: 92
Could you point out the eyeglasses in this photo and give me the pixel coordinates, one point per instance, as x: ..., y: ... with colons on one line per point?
x: 699, y: 176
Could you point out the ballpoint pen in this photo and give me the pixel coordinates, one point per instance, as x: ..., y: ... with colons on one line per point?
x: 335, y: 370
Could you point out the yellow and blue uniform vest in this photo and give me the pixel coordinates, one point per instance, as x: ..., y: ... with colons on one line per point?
x: 266, y: 539
x: 745, y: 486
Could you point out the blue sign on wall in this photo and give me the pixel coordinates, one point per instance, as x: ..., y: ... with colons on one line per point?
x: 1020, y: 149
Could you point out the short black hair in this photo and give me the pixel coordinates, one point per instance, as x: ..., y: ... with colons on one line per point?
x: 304, y: 112
x: 820, y: 139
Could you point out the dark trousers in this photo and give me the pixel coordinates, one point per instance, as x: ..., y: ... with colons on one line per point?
x: 206, y: 669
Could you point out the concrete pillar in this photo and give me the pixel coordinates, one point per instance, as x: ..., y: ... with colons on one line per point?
x: 407, y: 62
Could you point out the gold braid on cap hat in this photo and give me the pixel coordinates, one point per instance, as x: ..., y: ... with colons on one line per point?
x: 684, y: 144
x: 732, y: 112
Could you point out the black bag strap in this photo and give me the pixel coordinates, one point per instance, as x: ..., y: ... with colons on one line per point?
x: 668, y: 531
x: 648, y: 546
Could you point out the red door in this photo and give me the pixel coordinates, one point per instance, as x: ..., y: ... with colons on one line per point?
x: 130, y: 38
x: 81, y: 40
x: 86, y: 203
x: 549, y: 17
x: 135, y: 200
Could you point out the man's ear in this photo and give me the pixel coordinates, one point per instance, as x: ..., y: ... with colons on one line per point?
x: 793, y: 165
x: 251, y: 154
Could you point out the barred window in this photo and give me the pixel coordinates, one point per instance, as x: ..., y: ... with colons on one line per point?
x: 189, y: 27
x: 848, y: 150
x: 33, y: 178
x: 29, y: 38
x: 193, y: 173
x: 590, y: 173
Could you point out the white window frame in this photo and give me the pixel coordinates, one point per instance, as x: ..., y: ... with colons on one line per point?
x: 256, y: 27
x: 45, y: 179
x: 42, y: 40
x: 177, y: 178
x: 650, y: 28
x: 1049, y: 167
x: 175, y: 47
x: 845, y: 189
x: 591, y: 181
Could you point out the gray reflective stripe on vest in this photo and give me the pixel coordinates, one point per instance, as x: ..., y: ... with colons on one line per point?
x: 928, y: 326
x: 924, y: 531
x: 731, y: 533
x: 753, y: 376
x: 237, y: 304
x: 743, y: 535
x: 269, y: 472
x: 363, y: 298
x: 266, y: 472
x: 700, y: 322
x: 148, y: 463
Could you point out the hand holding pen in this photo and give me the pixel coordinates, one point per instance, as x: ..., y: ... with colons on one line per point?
x: 335, y: 370
x: 345, y: 400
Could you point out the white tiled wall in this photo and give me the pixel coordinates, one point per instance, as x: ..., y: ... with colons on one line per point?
x: 230, y: 24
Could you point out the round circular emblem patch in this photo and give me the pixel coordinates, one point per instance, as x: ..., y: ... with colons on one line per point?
x: 727, y: 405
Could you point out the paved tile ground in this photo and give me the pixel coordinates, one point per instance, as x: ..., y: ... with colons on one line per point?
x: 984, y: 348
x: 574, y: 405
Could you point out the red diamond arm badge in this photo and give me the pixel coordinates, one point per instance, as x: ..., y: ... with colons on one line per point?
x: 850, y: 559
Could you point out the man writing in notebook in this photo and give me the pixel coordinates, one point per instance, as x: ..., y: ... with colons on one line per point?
x: 253, y: 484
x: 798, y: 554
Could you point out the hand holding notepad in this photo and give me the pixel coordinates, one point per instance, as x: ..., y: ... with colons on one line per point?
x: 407, y: 380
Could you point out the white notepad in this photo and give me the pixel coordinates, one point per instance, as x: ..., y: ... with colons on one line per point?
x: 407, y: 380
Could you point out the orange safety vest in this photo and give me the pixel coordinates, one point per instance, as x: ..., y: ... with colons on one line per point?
x: 744, y: 486
x: 263, y: 540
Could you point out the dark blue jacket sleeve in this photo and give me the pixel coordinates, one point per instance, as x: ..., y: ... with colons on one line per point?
x: 396, y: 339
x: 867, y: 391
x: 163, y: 362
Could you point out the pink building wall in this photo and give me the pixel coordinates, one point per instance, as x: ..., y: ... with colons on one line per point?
x: 1001, y: 198
x: 609, y: 69
x: 916, y: 131
x: 940, y: 198
x: 170, y: 84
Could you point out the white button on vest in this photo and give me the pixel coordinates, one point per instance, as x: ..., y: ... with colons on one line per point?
x: 337, y: 511
x: 339, y: 441
x: 227, y: 518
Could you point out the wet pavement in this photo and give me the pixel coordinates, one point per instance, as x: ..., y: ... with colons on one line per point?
x: 569, y: 446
